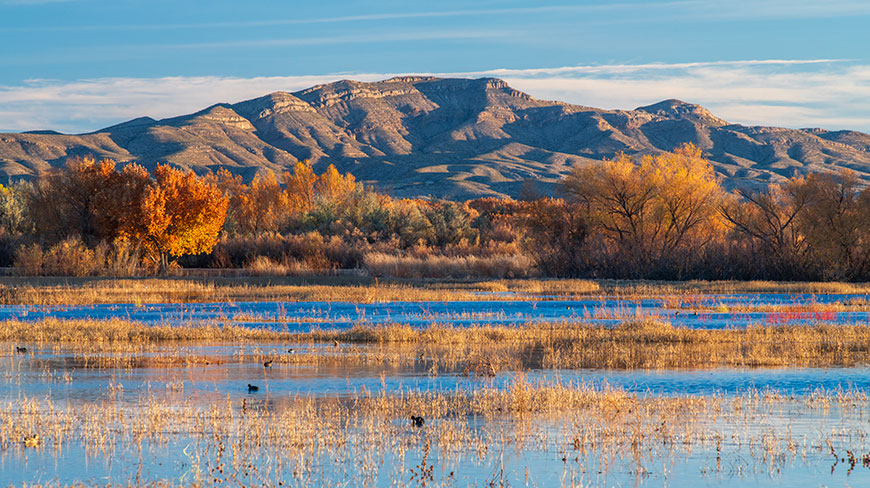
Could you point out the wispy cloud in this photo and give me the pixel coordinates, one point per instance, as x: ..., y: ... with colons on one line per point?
x: 627, y: 11
x: 432, y: 35
x: 344, y: 19
x: 32, y: 2
x: 771, y: 9
x: 793, y: 93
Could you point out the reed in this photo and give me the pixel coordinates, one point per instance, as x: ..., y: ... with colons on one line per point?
x: 633, y: 344
x: 366, y: 289
x: 307, y: 441
x: 390, y: 265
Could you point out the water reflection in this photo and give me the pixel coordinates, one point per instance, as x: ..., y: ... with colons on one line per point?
x: 702, y: 311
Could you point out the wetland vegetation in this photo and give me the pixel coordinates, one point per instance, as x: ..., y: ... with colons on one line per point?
x: 642, y: 391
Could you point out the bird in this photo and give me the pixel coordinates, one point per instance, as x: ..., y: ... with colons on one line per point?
x: 20, y: 349
x: 290, y: 351
x: 335, y: 342
x: 417, y: 421
x: 268, y: 364
x: 31, y: 440
x: 252, y: 388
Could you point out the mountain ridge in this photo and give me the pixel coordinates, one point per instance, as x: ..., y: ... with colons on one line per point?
x: 444, y: 137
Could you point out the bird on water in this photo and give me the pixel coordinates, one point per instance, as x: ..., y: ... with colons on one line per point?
x: 417, y: 421
x: 20, y: 349
x: 252, y: 388
x: 268, y: 364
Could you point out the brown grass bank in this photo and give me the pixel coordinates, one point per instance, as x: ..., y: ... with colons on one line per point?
x: 365, y: 289
x: 634, y: 344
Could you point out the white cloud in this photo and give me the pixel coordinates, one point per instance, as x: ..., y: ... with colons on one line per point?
x: 642, y: 11
x: 793, y: 93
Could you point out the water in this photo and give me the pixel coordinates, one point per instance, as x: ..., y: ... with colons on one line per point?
x: 703, y: 311
x: 57, y: 374
x: 537, y: 454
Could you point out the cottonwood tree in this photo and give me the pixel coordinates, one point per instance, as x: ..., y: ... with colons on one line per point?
x: 178, y: 214
x: 835, y: 225
x: 76, y: 200
x: 299, y: 187
x: 262, y: 206
x: 770, y: 218
x: 648, y: 209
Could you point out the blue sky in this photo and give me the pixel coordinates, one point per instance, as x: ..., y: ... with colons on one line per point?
x: 78, y: 65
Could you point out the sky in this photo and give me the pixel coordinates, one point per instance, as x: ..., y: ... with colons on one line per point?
x: 79, y: 65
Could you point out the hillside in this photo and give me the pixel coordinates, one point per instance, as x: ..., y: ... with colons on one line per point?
x: 454, y: 138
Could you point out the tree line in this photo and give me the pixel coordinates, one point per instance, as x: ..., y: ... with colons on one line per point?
x: 664, y: 216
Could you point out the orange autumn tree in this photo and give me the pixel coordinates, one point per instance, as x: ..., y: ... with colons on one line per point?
x: 264, y: 205
x: 236, y: 191
x: 178, y: 214
x: 76, y: 200
x: 299, y: 187
x: 334, y: 186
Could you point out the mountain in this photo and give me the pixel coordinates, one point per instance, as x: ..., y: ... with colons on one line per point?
x: 453, y: 138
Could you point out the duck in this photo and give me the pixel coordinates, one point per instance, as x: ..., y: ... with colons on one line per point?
x: 252, y: 388
x: 267, y: 364
x: 20, y: 349
x: 290, y: 351
x: 417, y: 421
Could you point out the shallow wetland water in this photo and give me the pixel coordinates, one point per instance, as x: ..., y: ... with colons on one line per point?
x: 339, y: 414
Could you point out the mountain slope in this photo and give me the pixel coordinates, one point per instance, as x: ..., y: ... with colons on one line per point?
x: 454, y: 138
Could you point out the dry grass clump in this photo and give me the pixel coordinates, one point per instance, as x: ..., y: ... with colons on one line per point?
x: 96, y: 332
x: 638, y: 344
x: 287, y: 266
x: 499, y: 266
x: 657, y: 288
x: 546, y: 287
x: 34, y: 291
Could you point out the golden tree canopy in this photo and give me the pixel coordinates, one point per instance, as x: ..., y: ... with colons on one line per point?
x: 179, y: 214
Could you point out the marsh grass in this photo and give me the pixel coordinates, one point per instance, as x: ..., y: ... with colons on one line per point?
x: 335, y: 441
x: 364, y: 289
x: 499, y: 266
x: 365, y: 438
x: 479, y: 350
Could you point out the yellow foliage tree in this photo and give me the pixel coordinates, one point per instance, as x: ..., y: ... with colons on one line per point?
x: 652, y: 207
x: 299, y: 188
x: 236, y: 192
x: 264, y: 206
x: 179, y: 214
x: 688, y: 197
x: 334, y: 186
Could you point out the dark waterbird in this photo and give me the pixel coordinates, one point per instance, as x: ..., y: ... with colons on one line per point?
x: 20, y: 349
x: 417, y: 421
x: 268, y: 364
x: 252, y: 388
x: 290, y: 351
